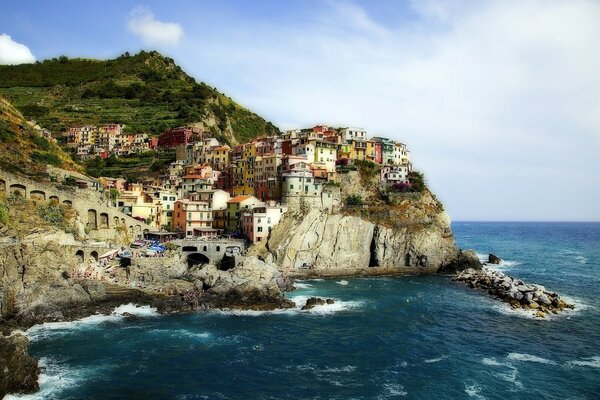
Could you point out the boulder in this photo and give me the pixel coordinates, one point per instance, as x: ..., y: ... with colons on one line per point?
x: 465, y: 260
x: 313, y: 302
x: 18, y: 370
x: 493, y: 259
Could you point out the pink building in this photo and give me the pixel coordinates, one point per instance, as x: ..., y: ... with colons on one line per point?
x: 258, y: 222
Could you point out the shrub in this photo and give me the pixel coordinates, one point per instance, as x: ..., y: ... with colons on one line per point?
x: 56, y: 215
x: 4, y: 217
x: 417, y: 181
x: 354, y: 200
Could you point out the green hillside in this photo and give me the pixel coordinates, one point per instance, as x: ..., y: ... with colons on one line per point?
x: 147, y: 92
x: 22, y: 149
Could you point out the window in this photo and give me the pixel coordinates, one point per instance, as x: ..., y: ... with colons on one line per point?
x: 218, y: 248
x: 258, y: 239
x: 259, y: 229
x: 291, y: 187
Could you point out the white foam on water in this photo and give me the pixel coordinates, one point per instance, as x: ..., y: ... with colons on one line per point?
x: 51, y: 329
x: 56, y: 378
x: 529, y: 358
x: 491, y: 362
x: 473, y: 390
x: 137, y: 310
x: 255, y: 313
x: 182, y: 333
x: 434, y: 360
x: 298, y: 285
x: 326, y: 309
x: 509, y: 376
x: 593, y: 362
x: 582, y: 259
x: 342, y: 282
x: 344, y: 369
x: 394, y: 389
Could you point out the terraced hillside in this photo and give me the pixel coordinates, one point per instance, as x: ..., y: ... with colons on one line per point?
x: 22, y: 149
x: 147, y: 92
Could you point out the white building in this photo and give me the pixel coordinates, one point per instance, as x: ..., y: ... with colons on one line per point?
x: 349, y: 134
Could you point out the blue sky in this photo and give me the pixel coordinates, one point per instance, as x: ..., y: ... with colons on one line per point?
x: 499, y: 101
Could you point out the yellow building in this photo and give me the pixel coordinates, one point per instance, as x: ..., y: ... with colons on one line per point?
x: 358, y: 150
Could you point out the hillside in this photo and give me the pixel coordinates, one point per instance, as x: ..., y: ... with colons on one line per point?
x: 22, y: 149
x: 147, y: 92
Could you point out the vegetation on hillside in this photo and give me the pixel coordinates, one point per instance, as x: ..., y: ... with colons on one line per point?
x: 22, y: 149
x: 147, y: 92
x: 131, y: 167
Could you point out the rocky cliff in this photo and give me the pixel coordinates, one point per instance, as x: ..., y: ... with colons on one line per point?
x: 412, y: 236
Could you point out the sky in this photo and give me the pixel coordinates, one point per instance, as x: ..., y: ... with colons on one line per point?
x: 498, y: 101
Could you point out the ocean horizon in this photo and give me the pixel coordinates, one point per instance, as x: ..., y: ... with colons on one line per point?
x: 410, y: 337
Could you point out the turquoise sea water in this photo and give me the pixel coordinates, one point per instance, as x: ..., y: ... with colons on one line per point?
x: 408, y: 337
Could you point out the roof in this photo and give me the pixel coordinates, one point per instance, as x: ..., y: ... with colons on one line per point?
x: 239, y: 199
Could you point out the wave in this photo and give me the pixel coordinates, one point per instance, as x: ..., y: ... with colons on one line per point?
x: 344, y: 369
x: 510, y: 375
x: 483, y: 258
x: 394, y: 389
x: 303, y: 285
x: 528, y: 358
x: 342, y: 282
x: 337, y: 306
x: 50, y: 329
x: 473, y: 390
x: 182, y: 333
x: 434, y: 360
x: 582, y: 259
x: 56, y: 378
x: 593, y: 362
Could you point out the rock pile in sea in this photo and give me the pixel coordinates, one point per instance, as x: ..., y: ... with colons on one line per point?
x: 514, y: 291
x: 315, y: 301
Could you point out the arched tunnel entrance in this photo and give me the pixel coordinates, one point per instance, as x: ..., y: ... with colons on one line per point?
x: 197, y: 259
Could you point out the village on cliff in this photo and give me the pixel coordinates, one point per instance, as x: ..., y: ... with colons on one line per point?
x: 212, y: 189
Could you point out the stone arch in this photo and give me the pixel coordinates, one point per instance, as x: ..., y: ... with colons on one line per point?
x: 54, y: 199
x: 80, y: 256
x: 92, y: 219
x: 94, y: 255
x: 115, y: 221
x: 37, y: 195
x: 204, y: 248
x: 104, y: 220
x: 189, y: 248
x: 2, y: 185
x: 218, y: 248
x: 67, y: 203
x: 19, y: 189
x: 197, y: 259
x: 123, y: 221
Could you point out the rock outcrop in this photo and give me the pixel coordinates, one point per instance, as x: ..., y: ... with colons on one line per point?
x: 18, y: 370
x: 330, y: 244
x: 514, y: 291
x: 465, y: 259
x: 494, y: 259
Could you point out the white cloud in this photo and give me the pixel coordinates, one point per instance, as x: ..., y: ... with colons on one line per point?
x: 12, y: 52
x: 498, y: 100
x: 152, y: 31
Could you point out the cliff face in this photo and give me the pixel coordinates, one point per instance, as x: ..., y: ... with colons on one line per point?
x: 414, y: 238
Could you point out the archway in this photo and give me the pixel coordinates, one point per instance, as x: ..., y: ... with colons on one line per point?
x: 37, y: 195
x: 18, y: 189
x: 104, y: 220
x: 197, y: 259
x: 115, y: 221
x: 54, y: 199
x: 67, y: 203
x: 94, y: 255
x: 189, y: 248
x: 92, y: 219
x: 80, y: 256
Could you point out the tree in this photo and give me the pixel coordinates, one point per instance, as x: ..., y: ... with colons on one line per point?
x: 113, y: 194
x: 354, y: 200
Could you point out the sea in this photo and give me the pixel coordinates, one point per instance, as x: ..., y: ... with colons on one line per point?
x: 406, y: 337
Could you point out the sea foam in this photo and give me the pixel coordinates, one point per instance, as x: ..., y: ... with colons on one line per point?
x: 529, y: 358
